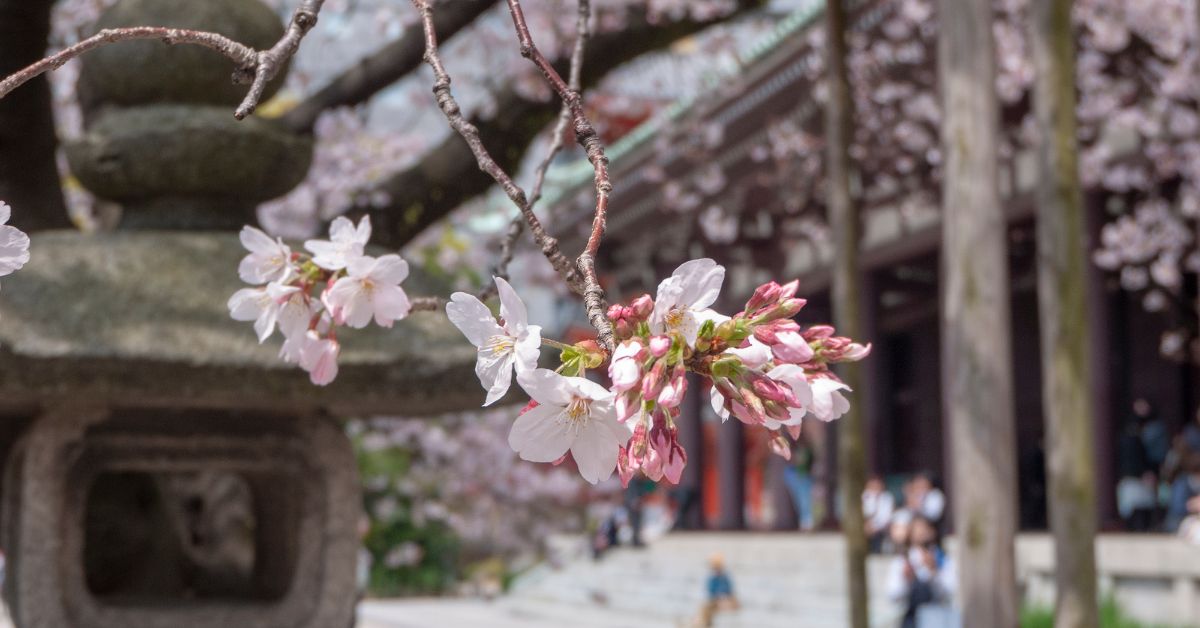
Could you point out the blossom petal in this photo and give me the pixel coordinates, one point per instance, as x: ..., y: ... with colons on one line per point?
x: 391, y: 304
x: 512, y: 308
x: 495, y: 374
x: 472, y: 318
x: 390, y: 269
x: 539, y: 435
x: 5, y: 212
x: 718, y: 403
x: 256, y: 240
x: 547, y: 387
x: 528, y: 349
x: 700, y: 283
x: 595, y: 451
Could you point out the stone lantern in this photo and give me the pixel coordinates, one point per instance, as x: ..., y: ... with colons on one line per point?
x: 161, y: 468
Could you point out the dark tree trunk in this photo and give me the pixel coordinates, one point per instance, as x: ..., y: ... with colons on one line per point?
x: 976, y: 325
x: 28, y: 174
x: 847, y: 310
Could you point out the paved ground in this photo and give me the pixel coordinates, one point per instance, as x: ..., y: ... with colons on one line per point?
x: 454, y: 613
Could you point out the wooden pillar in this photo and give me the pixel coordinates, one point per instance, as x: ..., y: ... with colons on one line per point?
x: 731, y: 475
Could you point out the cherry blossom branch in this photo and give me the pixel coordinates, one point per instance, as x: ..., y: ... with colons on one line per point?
x: 585, y: 134
x: 253, y: 66
x: 516, y: 227
x: 468, y: 131
x: 428, y: 304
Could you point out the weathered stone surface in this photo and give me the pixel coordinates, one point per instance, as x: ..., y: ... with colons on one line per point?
x: 139, y: 72
x: 146, y: 154
x: 300, y: 470
x: 139, y: 318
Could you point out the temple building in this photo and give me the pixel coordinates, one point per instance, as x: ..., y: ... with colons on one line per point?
x: 735, y: 175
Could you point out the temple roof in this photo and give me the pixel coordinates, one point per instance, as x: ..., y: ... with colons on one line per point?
x: 139, y: 318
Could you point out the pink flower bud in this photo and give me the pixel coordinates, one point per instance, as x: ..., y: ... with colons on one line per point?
x: 791, y: 347
x: 769, y: 389
x: 659, y: 346
x: 766, y: 294
x: 675, y: 462
x: 781, y: 447
x: 818, y: 331
x: 673, y: 392
x: 653, y: 381
x: 625, y: 467
x: 788, y: 290
x: 641, y: 308
x: 794, y: 431
x: 616, y: 312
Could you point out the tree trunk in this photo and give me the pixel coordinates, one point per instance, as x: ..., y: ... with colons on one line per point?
x: 976, y: 325
x: 1062, y: 287
x: 847, y: 291
x: 28, y: 173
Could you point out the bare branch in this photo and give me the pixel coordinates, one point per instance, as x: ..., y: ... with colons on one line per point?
x: 369, y: 75
x: 468, y: 131
x: 593, y: 295
x: 243, y: 56
x: 582, y: 31
x: 253, y: 66
x: 427, y: 304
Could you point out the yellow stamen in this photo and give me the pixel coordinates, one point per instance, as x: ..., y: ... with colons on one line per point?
x: 498, y: 345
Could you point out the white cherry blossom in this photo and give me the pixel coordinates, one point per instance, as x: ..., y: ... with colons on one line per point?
x: 827, y: 400
x: 683, y: 300
x: 319, y: 357
x: 269, y: 260
x: 14, y: 244
x: 346, y: 243
x: 501, y: 348
x: 370, y: 289
x: 261, y: 305
x: 754, y: 355
x: 573, y: 414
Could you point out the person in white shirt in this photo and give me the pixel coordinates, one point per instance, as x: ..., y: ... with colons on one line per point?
x: 878, y: 505
x: 931, y: 502
x: 921, y: 574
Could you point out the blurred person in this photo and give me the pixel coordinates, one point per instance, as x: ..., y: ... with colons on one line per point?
x: 1156, y: 440
x: 1189, y: 528
x: 922, y: 576
x: 897, y: 536
x: 1191, y: 434
x: 1185, y: 487
x: 799, y: 479
x: 878, y: 505
x: 1135, y: 484
x: 719, y: 589
x: 925, y: 499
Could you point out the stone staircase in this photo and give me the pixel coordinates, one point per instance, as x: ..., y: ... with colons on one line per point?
x: 782, y: 580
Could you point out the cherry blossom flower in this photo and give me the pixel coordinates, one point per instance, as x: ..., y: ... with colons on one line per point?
x: 683, y: 300
x: 573, y: 414
x: 14, y: 244
x: 346, y: 243
x: 319, y: 357
x: 269, y: 260
x: 827, y: 400
x: 261, y: 305
x: 370, y: 289
x: 503, y: 347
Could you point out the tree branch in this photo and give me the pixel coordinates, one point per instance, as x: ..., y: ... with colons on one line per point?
x: 585, y: 134
x: 470, y: 133
x: 383, y: 68
x: 448, y: 175
x: 516, y: 227
x: 254, y: 67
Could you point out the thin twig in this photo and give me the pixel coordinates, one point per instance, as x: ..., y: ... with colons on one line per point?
x: 585, y: 134
x: 516, y: 227
x: 427, y: 304
x: 252, y: 66
x: 449, y: 107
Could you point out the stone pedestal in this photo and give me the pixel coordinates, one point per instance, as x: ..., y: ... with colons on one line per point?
x: 158, y: 518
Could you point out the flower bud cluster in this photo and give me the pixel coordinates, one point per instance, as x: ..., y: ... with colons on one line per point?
x: 761, y: 366
x: 307, y: 297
